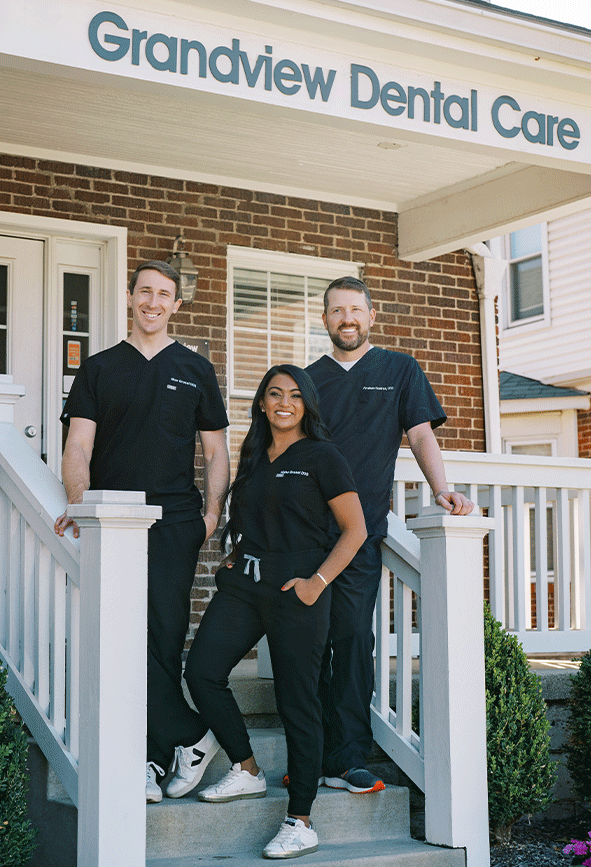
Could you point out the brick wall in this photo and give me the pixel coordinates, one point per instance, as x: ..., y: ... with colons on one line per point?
x: 584, y: 419
x: 429, y: 309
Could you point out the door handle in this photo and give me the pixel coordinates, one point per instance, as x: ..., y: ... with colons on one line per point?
x: 30, y: 431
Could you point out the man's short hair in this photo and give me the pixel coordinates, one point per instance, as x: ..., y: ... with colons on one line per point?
x: 164, y: 268
x: 348, y: 283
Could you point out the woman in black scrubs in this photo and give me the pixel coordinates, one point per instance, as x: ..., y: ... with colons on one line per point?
x: 291, y: 484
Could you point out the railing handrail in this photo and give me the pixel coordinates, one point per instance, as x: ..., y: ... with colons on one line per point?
x: 480, y: 468
x: 38, y: 495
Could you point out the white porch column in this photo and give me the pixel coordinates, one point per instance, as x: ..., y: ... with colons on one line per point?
x: 452, y: 660
x: 113, y: 611
x: 489, y: 273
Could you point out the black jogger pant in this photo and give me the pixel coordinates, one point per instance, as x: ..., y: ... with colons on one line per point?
x: 173, y: 550
x: 240, y: 613
x: 347, y: 677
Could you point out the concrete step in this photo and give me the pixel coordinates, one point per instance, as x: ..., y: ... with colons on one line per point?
x: 373, y: 853
x: 186, y: 825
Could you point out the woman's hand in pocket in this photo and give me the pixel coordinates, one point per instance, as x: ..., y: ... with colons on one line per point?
x: 307, y: 589
x: 228, y: 561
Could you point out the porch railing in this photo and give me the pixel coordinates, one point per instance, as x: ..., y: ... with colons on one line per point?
x: 69, y: 613
x: 440, y: 565
x: 538, y: 567
x: 539, y: 552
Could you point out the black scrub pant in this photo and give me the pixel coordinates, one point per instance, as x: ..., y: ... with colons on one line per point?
x: 347, y: 678
x: 173, y: 550
x: 240, y: 613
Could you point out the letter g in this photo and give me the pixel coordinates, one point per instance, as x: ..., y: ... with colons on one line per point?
x: 121, y: 41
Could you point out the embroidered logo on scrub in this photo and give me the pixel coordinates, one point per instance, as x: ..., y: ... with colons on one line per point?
x: 181, y: 382
x: 291, y: 473
x: 378, y: 388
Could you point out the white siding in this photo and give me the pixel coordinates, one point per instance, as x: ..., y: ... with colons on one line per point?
x: 562, y: 348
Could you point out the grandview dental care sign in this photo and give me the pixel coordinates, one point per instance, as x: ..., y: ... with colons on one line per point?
x: 138, y: 44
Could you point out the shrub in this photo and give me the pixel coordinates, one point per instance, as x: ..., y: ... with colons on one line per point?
x: 17, y: 837
x: 520, y: 773
x: 579, y: 726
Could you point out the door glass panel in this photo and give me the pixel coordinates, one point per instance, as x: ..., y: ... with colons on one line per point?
x: 3, y: 317
x: 76, y: 325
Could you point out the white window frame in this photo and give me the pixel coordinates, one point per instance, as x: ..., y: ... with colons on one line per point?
x: 501, y: 248
x: 282, y: 263
x: 509, y: 442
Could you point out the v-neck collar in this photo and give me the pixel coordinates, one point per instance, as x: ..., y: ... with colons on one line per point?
x: 274, y: 461
x: 355, y: 366
x: 141, y: 354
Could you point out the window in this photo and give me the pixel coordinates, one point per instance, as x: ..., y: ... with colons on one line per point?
x: 526, y: 296
x: 544, y: 449
x: 275, y: 311
x: 526, y: 285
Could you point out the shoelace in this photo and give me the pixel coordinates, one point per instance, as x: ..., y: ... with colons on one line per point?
x: 179, y: 763
x: 230, y: 776
x: 287, y: 830
x: 153, y: 768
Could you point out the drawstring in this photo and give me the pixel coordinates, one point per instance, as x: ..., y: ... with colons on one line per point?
x: 252, y: 561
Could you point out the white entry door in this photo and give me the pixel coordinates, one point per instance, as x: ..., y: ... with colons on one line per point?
x: 21, y: 329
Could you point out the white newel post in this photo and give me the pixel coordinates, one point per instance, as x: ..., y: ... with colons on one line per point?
x: 9, y: 394
x: 452, y: 660
x: 113, y: 609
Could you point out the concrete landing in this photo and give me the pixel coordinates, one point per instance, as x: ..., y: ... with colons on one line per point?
x: 376, y: 853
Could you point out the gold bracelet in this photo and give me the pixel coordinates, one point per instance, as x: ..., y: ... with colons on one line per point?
x: 322, y: 578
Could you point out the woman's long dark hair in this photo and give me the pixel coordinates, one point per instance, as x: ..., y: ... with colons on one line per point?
x: 259, y: 437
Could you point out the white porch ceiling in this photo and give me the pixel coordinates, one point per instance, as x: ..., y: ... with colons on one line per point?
x: 249, y: 145
x: 446, y: 194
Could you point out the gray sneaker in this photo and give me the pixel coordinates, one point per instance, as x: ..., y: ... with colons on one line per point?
x: 235, y: 786
x: 189, y: 765
x: 292, y: 840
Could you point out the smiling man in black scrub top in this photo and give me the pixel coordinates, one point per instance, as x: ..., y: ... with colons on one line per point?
x: 133, y: 414
x: 368, y: 398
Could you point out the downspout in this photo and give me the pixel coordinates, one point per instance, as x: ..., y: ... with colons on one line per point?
x: 489, y: 273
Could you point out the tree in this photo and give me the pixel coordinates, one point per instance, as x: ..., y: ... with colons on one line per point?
x: 520, y: 773
x: 17, y: 837
x: 579, y: 725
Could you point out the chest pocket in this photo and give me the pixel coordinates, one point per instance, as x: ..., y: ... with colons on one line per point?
x: 178, y: 410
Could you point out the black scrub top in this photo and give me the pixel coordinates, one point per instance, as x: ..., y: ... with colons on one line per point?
x: 366, y: 410
x: 284, y: 505
x: 147, y: 414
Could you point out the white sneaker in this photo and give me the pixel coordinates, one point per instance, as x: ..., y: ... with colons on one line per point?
x: 293, y: 840
x: 237, y: 784
x: 153, y: 790
x: 189, y: 765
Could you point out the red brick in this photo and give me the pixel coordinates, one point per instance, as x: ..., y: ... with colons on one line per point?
x: 428, y: 309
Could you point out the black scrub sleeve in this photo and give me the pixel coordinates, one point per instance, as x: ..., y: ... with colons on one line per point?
x: 332, y: 472
x: 82, y: 399
x: 211, y: 411
x: 418, y: 402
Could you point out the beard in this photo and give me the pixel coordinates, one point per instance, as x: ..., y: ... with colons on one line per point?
x: 348, y: 343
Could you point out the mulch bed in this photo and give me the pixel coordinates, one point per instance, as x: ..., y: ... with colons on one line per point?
x: 539, y: 843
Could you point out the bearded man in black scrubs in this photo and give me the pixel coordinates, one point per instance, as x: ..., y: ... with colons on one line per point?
x: 368, y: 398
x: 133, y: 414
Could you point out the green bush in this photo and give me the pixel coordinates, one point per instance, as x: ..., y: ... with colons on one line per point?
x: 520, y: 773
x: 579, y: 726
x: 17, y: 837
